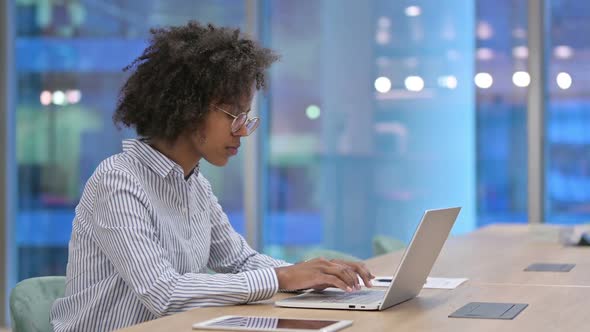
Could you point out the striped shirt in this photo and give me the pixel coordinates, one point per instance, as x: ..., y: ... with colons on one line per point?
x: 143, y: 241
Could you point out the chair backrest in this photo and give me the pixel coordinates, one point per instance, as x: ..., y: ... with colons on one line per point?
x: 31, y: 300
x: 383, y: 244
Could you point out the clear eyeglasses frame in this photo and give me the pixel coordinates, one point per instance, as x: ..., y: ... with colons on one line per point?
x: 240, y: 121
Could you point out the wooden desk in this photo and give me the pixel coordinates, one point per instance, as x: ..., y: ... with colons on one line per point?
x: 493, y: 258
x: 550, y: 309
x: 499, y: 254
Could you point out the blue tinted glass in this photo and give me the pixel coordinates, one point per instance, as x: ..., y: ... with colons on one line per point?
x: 501, y: 72
x: 372, y: 121
x: 568, y: 113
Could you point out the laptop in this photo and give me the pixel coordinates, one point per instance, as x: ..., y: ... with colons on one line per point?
x: 408, y: 280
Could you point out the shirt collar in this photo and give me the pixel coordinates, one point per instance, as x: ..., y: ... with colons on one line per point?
x: 194, y: 171
x: 150, y: 157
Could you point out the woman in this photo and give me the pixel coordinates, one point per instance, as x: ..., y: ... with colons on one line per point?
x: 148, y: 228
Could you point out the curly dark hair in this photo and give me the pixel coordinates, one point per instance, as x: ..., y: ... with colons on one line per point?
x: 182, y: 71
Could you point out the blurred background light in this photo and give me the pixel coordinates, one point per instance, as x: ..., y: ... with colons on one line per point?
x: 521, y: 79
x: 45, y: 98
x: 312, y: 112
x: 383, y: 84
x: 563, y: 52
x: 414, y: 83
x: 484, y: 30
x: 484, y: 54
x: 483, y: 80
x: 449, y: 82
x: 59, y: 98
x: 520, y: 52
x: 413, y: 11
x: 564, y: 80
x: 73, y: 96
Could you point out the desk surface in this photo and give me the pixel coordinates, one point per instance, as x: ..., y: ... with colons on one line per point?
x: 550, y: 309
x: 493, y: 258
x: 499, y: 254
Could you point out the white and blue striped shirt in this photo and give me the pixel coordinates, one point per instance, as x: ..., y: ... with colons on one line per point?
x: 142, y: 242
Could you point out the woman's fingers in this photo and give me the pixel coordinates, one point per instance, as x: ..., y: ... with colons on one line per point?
x: 353, y: 276
x: 364, y: 273
x: 337, y: 282
x: 320, y: 273
x: 344, y: 273
x: 360, y: 269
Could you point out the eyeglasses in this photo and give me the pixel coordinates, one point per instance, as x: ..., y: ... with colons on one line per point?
x: 240, y: 121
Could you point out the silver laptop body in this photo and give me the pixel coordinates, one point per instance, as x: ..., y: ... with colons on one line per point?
x: 410, y: 277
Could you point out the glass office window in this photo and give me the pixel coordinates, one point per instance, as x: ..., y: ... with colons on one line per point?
x: 568, y: 113
x: 372, y: 121
x: 70, y: 56
x: 501, y: 81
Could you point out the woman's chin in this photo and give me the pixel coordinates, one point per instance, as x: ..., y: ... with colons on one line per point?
x: 219, y: 162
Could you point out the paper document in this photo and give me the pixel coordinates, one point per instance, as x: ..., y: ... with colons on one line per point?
x: 444, y: 283
x: 438, y: 283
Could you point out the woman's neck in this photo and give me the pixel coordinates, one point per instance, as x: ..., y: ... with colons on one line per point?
x: 178, y: 151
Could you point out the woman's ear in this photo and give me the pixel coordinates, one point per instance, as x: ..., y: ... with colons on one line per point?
x: 197, y: 134
x: 202, y: 138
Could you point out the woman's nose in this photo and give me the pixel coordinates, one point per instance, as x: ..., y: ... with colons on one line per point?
x: 243, y: 131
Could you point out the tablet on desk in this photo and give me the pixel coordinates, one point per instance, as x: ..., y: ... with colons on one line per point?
x: 253, y: 323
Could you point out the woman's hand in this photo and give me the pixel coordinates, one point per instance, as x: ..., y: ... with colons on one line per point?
x: 320, y: 273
